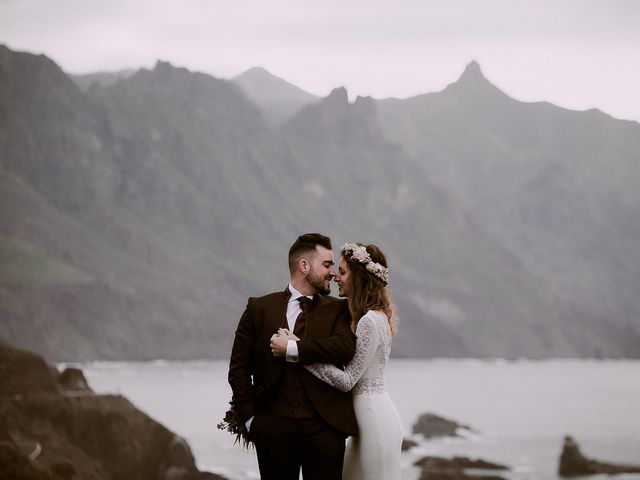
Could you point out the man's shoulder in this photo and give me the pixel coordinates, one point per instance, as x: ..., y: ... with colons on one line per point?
x: 268, y: 298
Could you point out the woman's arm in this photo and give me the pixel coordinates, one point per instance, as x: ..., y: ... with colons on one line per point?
x: 366, y: 346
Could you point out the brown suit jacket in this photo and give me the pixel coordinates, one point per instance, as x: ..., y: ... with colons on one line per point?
x: 254, y: 371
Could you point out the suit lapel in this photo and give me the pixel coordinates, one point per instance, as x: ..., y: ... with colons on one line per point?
x: 277, y: 316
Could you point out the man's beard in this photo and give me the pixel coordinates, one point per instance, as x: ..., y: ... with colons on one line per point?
x: 318, y: 282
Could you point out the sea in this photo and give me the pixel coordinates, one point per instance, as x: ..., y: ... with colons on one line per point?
x: 518, y: 411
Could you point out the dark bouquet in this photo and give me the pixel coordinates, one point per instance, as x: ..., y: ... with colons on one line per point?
x: 233, y: 424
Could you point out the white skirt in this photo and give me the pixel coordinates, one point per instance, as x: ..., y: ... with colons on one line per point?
x: 375, y: 453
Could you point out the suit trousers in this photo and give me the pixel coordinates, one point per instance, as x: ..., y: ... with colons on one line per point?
x: 284, y: 446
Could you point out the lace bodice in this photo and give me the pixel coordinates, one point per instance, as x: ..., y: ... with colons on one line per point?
x: 365, y: 371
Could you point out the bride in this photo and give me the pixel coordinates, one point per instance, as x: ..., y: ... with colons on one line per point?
x: 362, y: 277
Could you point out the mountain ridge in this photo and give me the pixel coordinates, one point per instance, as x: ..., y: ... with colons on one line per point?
x: 173, y: 197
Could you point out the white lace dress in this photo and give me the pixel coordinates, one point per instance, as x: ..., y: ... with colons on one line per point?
x: 375, y: 453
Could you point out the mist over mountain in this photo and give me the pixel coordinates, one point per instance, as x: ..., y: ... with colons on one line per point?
x: 103, y: 79
x: 138, y: 215
x: 278, y: 99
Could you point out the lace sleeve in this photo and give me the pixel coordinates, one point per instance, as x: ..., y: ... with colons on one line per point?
x: 366, y: 346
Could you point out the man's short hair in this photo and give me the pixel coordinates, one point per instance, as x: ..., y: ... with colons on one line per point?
x: 305, y: 244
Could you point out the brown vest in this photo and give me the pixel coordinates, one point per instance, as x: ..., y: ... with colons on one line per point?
x: 290, y: 397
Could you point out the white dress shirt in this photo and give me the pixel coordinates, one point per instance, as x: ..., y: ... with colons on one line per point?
x: 293, y: 310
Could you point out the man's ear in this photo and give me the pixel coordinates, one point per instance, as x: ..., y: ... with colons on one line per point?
x: 303, y: 265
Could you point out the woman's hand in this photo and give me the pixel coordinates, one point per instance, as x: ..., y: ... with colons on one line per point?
x: 284, y: 332
x: 279, y: 342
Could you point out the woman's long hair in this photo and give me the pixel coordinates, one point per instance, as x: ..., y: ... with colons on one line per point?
x: 366, y: 290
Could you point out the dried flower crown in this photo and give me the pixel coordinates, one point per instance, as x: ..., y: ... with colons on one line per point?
x: 360, y: 253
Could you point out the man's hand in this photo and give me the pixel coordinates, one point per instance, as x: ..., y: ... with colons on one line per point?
x: 278, y: 345
x: 279, y: 342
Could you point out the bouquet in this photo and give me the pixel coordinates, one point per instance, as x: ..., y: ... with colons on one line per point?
x: 233, y: 424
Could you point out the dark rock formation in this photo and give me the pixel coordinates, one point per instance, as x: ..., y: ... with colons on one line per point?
x: 16, y: 466
x: 573, y: 463
x: 24, y: 372
x: 49, y: 431
x: 438, y: 468
x: 431, y: 426
x: 73, y: 380
x: 407, y: 444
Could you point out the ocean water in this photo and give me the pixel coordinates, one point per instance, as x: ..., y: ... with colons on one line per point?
x: 520, y: 411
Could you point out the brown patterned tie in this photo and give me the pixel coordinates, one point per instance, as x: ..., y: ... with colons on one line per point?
x: 299, y: 327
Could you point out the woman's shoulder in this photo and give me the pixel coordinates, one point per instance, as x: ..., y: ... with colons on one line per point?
x: 375, y: 315
x: 373, y: 318
x: 376, y: 320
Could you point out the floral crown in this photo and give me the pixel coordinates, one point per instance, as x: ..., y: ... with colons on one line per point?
x: 360, y: 253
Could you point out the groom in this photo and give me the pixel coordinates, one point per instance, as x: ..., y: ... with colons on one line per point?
x: 295, y: 420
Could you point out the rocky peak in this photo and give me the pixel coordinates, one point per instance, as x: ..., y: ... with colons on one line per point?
x: 337, y: 102
x: 34, y: 74
x: 171, y: 91
x: 165, y: 71
x: 325, y: 113
x: 472, y: 73
x: 335, y: 119
x: 256, y: 77
x: 473, y: 82
x: 162, y: 66
x: 364, y: 102
x: 338, y: 94
x: 256, y: 72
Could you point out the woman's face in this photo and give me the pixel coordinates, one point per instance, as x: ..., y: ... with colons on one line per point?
x: 342, y: 278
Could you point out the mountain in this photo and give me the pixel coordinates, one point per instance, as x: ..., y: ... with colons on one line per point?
x: 278, y: 99
x: 458, y: 288
x: 138, y: 216
x: 107, y: 240
x: 555, y: 187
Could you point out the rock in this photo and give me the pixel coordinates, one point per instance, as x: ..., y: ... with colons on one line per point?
x: 29, y: 448
x: 438, y: 468
x: 23, y: 372
x: 573, y: 463
x: 178, y: 462
x: 101, y: 437
x: 432, y: 426
x: 73, y: 380
x: 407, y: 444
x: 64, y: 470
x: 16, y: 466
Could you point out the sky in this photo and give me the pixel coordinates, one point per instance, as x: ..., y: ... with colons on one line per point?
x: 578, y: 54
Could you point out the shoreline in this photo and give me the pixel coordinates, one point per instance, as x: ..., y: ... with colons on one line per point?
x: 508, y: 402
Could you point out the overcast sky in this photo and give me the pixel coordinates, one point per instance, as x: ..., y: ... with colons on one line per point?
x: 577, y: 54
